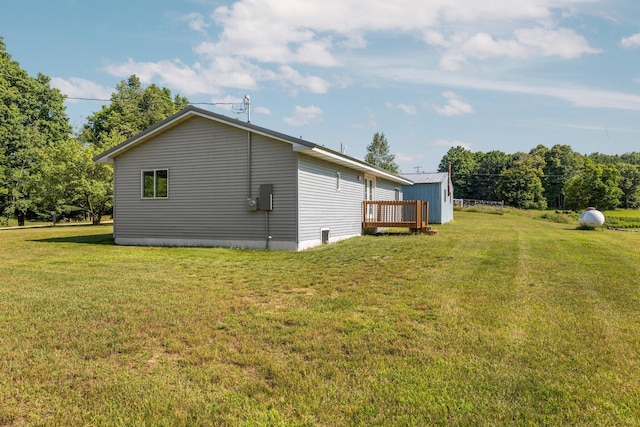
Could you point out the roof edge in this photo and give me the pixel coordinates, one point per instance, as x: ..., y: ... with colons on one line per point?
x: 298, y: 143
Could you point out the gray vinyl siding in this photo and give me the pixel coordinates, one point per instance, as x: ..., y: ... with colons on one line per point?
x: 322, y: 206
x: 386, y: 190
x: 207, y: 163
x: 274, y: 162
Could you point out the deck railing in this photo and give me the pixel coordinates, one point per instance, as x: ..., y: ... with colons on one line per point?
x: 412, y: 214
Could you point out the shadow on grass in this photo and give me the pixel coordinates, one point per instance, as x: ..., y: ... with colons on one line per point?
x: 95, y: 239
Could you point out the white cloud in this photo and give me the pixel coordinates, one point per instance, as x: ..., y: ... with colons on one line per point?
x: 261, y: 110
x: 294, y: 42
x: 408, y: 162
x: 455, y: 106
x: 312, y: 84
x: 196, y: 22
x: 406, y: 108
x: 631, y: 42
x: 527, y: 43
x: 271, y: 31
x: 291, y: 31
x: 221, y: 72
x: 370, y: 123
x: 76, y: 87
x: 445, y: 143
x: 451, y: 61
x: 227, y: 102
x: 304, y: 115
x: 406, y: 158
x: 354, y: 40
x: 581, y: 96
x: 196, y: 79
x: 435, y: 38
x: 563, y: 42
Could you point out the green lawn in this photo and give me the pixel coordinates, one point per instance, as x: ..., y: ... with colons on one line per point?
x: 625, y: 213
x: 497, y: 320
x: 623, y: 218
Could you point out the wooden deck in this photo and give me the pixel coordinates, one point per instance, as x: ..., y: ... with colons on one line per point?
x: 411, y: 214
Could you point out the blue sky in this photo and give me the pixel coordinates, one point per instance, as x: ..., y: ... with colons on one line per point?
x: 488, y: 75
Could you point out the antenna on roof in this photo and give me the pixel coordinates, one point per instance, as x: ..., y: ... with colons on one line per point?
x: 418, y: 169
x: 343, y: 148
x: 247, y: 104
x: 245, y: 108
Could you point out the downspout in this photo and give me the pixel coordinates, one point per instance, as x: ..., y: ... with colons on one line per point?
x: 248, y: 166
x: 267, y: 237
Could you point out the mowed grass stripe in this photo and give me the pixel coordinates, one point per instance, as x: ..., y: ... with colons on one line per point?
x: 496, y: 320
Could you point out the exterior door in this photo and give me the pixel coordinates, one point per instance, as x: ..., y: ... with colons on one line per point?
x: 370, y: 193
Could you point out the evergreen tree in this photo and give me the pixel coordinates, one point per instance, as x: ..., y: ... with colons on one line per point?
x: 378, y: 154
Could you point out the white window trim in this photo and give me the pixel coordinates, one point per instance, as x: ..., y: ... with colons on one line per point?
x: 338, y: 180
x: 142, y: 172
x: 371, y: 178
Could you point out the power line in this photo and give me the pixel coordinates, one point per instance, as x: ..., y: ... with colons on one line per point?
x: 111, y: 100
x: 88, y: 99
x: 79, y: 98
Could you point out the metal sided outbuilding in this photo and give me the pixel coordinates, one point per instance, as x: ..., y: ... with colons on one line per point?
x: 435, y: 188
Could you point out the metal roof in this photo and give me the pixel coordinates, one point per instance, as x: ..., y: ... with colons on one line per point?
x: 426, y: 178
x: 299, y: 145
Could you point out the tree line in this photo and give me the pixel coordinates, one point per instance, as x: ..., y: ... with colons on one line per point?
x: 46, y: 168
x: 555, y: 177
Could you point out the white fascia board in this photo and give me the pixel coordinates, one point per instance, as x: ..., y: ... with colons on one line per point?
x: 353, y: 164
x: 109, y: 155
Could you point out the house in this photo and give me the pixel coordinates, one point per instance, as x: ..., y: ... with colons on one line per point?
x: 199, y: 178
x: 435, y: 188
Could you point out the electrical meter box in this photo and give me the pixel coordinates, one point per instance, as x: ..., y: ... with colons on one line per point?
x: 265, y: 201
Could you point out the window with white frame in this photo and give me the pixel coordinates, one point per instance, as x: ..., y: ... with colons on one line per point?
x: 155, y: 184
x: 338, y: 177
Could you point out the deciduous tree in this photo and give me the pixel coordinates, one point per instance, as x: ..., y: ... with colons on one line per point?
x: 520, y: 186
x: 32, y: 115
x: 489, y: 167
x: 629, y: 185
x: 463, y: 166
x: 595, y: 186
x: 561, y: 163
x: 133, y: 108
x: 68, y: 180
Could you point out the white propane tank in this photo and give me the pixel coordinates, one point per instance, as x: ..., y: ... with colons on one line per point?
x: 591, y: 218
